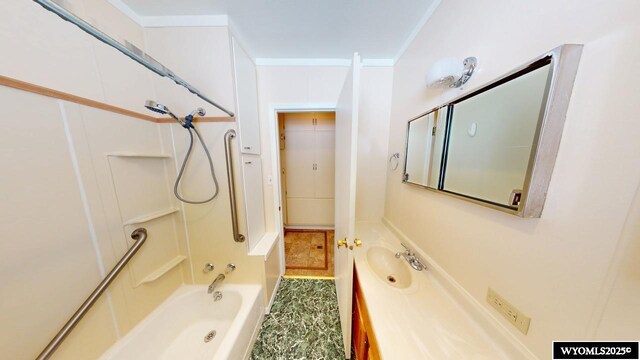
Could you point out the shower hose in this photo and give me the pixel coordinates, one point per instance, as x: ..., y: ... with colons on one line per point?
x: 189, y: 126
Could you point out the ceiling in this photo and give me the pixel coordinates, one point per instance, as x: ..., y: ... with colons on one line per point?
x: 308, y: 29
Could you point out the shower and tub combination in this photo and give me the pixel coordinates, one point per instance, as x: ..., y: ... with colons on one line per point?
x: 195, y: 321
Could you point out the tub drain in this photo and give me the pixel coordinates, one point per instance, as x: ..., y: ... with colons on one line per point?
x: 391, y: 278
x: 210, y: 336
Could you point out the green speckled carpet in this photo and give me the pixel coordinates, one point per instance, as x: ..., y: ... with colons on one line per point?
x: 304, y: 323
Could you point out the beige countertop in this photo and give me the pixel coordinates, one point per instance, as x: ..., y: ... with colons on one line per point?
x: 424, y: 320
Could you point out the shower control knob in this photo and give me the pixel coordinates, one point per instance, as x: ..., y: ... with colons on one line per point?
x: 230, y: 268
x: 208, y: 268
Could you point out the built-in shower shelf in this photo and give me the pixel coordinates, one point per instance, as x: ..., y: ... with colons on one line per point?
x: 162, y: 270
x: 139, y: 155
x: 152, y: 216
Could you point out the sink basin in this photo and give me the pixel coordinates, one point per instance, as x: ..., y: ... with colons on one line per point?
x: 391, y: 270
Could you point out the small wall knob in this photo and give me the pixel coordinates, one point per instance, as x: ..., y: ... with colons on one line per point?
x: 230, y: 268
x: 357, y: 242
x: 208, y: 268
x: 342, y: 243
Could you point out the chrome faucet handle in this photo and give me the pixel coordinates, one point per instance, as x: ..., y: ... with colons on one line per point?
x: 409, y: 252
x: 230, y: 268
x: 208, y: 268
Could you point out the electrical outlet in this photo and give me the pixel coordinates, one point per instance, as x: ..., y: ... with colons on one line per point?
x: 515, y: 317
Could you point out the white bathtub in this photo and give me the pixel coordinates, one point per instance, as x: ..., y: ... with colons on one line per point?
x: 176, y: 329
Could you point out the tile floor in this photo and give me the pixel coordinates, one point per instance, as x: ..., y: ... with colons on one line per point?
x: 309, y: 252
x: 304, y: 323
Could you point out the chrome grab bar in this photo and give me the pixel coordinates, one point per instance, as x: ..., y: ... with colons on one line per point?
x: 232, y: 186
x: 140, y: 236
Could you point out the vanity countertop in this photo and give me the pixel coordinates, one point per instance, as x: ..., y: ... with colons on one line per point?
x: 422, y: 321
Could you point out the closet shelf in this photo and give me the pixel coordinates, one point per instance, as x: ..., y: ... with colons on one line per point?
x: 152, y: 216
x: 162, y: 270
x: 139, y: 155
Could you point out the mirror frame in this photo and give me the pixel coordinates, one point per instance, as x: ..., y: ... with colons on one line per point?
x: 406, y: 147
x: 564, y: 62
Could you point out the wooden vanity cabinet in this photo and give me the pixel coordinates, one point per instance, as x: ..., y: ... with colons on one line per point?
x: 364, y: 345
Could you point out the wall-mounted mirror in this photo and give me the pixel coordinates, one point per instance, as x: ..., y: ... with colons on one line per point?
x: 491, y: 138
x: 497, y: 145
x: 425, y: 140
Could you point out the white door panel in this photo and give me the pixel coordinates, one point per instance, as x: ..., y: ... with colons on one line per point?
x: 325, y: 121
x: 253, y: 197
x: 247, y: 99
x: 298, y: 121
x: 300, y: 173
x: 325, y: 178
x: 310, y: 212
x: 345, y: 191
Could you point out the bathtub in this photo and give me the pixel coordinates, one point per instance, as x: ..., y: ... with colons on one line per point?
x: 177, y: 328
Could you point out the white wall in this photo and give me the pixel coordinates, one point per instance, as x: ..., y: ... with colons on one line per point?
x: 65, y: 223
x: 373, y: 129
x: 43, y: 49
x: 67, y: 203
x: 616, y: 317
x: 201, y: 56
x: 48, y: 260
x: 551, y: 268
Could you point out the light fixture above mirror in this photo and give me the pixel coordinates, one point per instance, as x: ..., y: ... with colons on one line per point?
x: 450, y: 73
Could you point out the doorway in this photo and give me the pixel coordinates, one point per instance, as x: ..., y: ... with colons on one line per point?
x: 307, y: 180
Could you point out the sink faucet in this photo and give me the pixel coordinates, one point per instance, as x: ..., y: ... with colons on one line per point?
x: 220, y: 278
x: 411, y: 258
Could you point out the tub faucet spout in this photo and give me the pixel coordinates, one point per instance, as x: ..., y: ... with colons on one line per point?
x: 215, y: 283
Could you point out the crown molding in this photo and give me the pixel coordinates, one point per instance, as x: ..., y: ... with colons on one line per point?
x: 320, y: 62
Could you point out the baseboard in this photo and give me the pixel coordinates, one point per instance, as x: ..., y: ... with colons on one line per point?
x: 474, y: 308
x: 273, y: 296
x: 254, y: 337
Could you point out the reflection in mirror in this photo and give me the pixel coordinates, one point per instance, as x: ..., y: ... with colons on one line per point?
x: 491, y: 139
x: 425, y: 140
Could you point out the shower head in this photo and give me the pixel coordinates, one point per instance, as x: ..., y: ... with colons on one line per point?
x: 154, y: 106
x: 159, y: 108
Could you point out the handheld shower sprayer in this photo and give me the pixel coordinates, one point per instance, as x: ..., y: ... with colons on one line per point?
x: 161, y: 109
x: 187, y: 124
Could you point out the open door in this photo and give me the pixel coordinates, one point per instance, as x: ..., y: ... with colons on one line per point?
x: 345, y: 195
